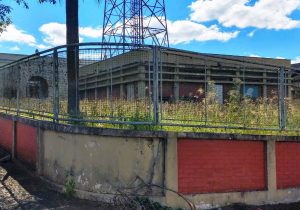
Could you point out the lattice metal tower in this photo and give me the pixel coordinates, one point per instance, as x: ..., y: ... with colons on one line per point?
x: 135, y: 22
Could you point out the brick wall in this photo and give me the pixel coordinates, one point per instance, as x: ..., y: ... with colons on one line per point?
x: 6, y: 134
x: 288, y: 164
x: 206, y: 166
x: 26, y: 144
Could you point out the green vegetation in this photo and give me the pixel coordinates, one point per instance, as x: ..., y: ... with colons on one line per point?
x: 69, y: 186
x: 236, y: 115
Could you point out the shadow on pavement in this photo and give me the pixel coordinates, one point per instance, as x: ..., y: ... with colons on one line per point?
x: 20, y: 190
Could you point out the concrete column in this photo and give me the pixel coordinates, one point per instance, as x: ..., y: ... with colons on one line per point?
x: 141, y: 94
x: 289, y: 87
x: 108, y: 85
x: 271, y: 169
x: 96, y: 93
x: 171, y: 162
x: 85, y: 90
x: 240, y: 76
x: 122, y: 90
x: 141, y: 90
x: 208, y: 72
x: 171, y: 175
x: 265, y: 87
x: 108, y: 92
x: 176, y: 84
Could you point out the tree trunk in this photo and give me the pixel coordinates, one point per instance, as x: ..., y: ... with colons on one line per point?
x: 72, y: 57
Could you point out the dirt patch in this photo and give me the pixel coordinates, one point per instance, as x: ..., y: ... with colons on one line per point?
x: 294, y: 206
x: 20, y: 190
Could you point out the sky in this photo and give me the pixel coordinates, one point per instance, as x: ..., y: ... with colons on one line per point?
x: 261, y: 28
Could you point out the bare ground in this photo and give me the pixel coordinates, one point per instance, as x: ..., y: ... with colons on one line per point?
x: 21, y: 190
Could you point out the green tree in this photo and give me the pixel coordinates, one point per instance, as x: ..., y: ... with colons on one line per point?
x: 5, y: 10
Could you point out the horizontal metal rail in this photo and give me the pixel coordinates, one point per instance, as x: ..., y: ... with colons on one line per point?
x: 137, y: 87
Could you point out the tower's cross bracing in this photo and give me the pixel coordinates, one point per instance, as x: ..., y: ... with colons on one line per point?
x: 135, y: 22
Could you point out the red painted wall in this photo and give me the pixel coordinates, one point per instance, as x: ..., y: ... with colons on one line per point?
x: 101, y: 93
x: 116, y: 93
x: 185, y: 89
x: 167, y: 90
x: 207, y: 166
x: 6, y: 134
x: 26, y: 144
x: 288, y: 164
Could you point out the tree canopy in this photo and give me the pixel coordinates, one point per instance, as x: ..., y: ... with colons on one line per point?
x: 5, y: 10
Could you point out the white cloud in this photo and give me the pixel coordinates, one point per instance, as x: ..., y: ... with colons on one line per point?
x: 90, y: 32
x: 255, y: 56
x: 15, y: 35
x: 251, y: 34
x: 55, y: 33
x: 185, y: 31
x: 41, y: 46
x: 267, y: 14
x: 296, y: 60
x: 182, y: 31
x: 15, y: 48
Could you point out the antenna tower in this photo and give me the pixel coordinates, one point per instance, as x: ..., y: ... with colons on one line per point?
x: 135, y: 22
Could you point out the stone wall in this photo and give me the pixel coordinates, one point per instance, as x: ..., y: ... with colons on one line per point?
x: 18, y: 76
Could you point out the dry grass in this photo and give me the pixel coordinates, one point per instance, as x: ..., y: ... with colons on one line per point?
x: 190, y: 116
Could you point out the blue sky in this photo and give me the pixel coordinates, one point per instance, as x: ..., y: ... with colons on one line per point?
x: 267, y: 28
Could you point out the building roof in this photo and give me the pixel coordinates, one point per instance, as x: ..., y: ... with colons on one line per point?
x: 6, y: 58
x: 183, y: 59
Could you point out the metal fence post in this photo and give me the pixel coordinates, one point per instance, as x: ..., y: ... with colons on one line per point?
x: 155, y: 84
x: 161, y: 83
x: 18, y: 89
x: 77, y: 82
x: 281, y: 95
x: 55, y: 86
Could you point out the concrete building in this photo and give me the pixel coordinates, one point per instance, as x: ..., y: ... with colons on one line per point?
x: 6, y: 58
x: 296, y: 81
x: 185, y: 74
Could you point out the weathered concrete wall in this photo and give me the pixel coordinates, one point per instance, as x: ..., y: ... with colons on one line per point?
x: 43, y: 67
x: 102, y: 164
x: 212, y: 170
x: 19, y: 75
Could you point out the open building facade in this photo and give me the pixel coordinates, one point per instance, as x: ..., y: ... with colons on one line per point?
x: 184, y: 75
